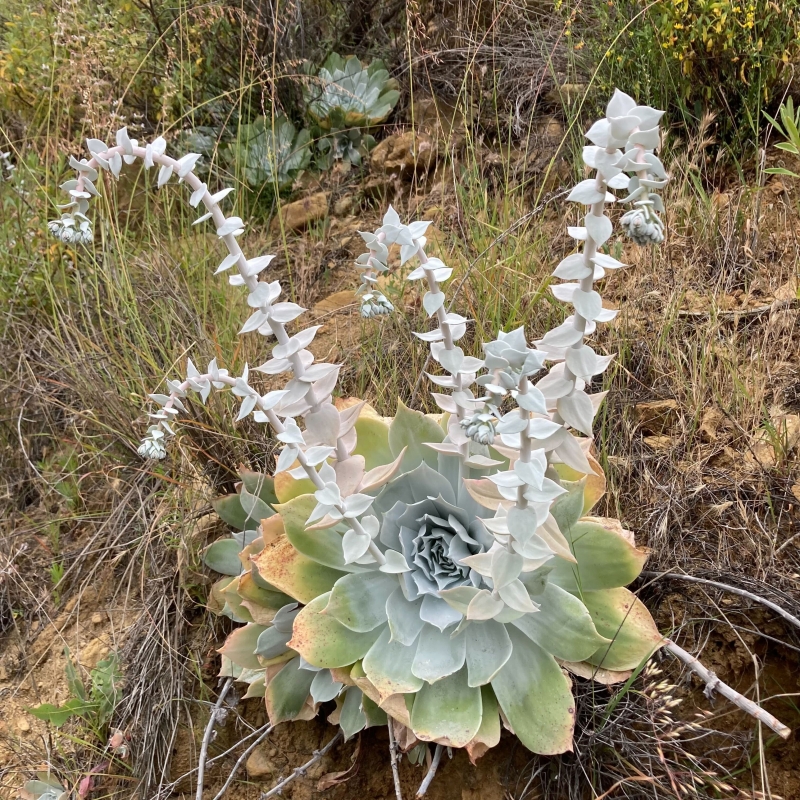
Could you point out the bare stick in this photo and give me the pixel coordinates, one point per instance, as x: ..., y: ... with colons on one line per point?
x: 266, y: 730
x: 296, y: 773
x: 727, y: 588
x: 714, y: 684
x: 437, y: 757
x: 201, y: 765
x: 393, y: 756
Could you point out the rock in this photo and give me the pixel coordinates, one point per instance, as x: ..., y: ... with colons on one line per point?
x: 97, y: 619
x: 376, y: 188
x: 776, y: 186
x: 335, y: 301
x: 93, y: 653
x: 404, y: 154
x: 301, y: 213
x: 659, y: 442
x: 657, y: 417
x: 23, y: 726
x: 787, y: 427
x: 566, y: 94
x: 258, y: 764
x: 550, y: 128
x: 344, y: 205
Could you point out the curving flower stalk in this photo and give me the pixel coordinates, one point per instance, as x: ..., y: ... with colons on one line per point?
x: 329, y: 433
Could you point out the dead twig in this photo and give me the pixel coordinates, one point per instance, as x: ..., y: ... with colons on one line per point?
x: 727, y: 588
x: 714, y: 684
x: 437, y: 757
x: 201, y: 765
x: 298, y: 771
x: 393, y: 756
x: 265, y: 731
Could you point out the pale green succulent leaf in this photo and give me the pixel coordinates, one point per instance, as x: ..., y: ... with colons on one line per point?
x: 405, y: 622
x: 223, y: 556
x: 562, y: 626
x: 359, y: 601
x: 292, y: 573
x: 568, y: 508
x: 323, y: 546
x: 388, y: 666
x: 376, y: 716
x: 271, y: 643
x: 352, y: 718
x: 605, y: 558
x: 241, y: 644
x: 448, y: 711
x: 259, y: 484
x: 257, y: 688
x: 287, y: 692
x: 536, y: 697
x: 621, y: 617
x: 412, y: 429
x: 488, y: 734
x: 230, y: 510
x: 324, y: 687
x: 373, y: 440
x: 413, y: 487
x: 323, y: 641
x: 439, y: 654
x: 488, y: 649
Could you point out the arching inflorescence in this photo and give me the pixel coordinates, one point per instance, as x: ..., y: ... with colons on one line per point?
x: 441, y: 570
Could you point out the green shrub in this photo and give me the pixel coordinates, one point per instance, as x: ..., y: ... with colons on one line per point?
x: 729, y: 57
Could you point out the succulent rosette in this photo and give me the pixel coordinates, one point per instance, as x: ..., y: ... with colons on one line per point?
x: 399, y: 638
x: 441, y: 573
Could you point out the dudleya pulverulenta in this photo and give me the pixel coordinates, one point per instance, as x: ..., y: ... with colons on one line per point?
x: 439, y: 572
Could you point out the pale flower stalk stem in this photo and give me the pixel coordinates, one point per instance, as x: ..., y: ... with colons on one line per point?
x: 526, y: 445
x: 589, y: 252
x: 370, y: 273
x: 441, y: 314
x: 251, y: 281
x: 447, y: 338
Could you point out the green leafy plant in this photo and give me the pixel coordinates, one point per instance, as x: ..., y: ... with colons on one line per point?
x: 270, y: 153
x: 344, y: 98
x: 56, y: 574
x: 729, y: 57
x: 94, y: 704
x: 789, y: 128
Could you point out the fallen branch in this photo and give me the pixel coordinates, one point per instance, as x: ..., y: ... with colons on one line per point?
x: 201, y: 764
x: 714, y: 684
x: 298, y: 771
x: 437, y: 757
x: 265, y: 731
x: 727, y: 588
x: 393, y: 756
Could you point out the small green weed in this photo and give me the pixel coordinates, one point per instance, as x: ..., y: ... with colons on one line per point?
x: 94, y: 704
